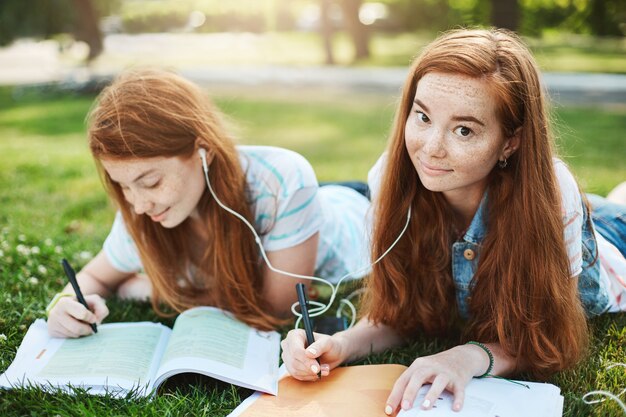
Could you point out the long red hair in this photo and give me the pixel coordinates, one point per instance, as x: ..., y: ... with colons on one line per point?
x: 523, y: 296
x: 155, y: 113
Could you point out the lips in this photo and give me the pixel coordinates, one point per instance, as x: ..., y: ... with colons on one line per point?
x: 159, y: 217
x: 433, y: 169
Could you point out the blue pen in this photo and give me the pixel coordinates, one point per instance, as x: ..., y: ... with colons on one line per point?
x: 304, y: 310
x: 71, y: 275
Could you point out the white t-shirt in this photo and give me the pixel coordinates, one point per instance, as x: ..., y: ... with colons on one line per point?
x: 612, y: 262
x: 288, y: 207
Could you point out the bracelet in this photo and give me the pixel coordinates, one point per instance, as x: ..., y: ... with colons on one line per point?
x: 486, y: 349
x: 56, y: 299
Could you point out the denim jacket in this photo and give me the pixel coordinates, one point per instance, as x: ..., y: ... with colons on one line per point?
x: 466, y: 255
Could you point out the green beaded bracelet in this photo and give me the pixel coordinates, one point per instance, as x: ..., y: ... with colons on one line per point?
x: 486, y: 349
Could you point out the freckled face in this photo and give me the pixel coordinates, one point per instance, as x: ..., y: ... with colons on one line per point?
x: 165, y: 189
x: 452, y: 135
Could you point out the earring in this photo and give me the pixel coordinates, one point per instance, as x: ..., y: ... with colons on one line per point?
x: 502, y: 163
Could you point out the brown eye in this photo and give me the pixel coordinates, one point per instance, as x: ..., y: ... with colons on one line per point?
x: 422, y: 116
x: 463, y: 131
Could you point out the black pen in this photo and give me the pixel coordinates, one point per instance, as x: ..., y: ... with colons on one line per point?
x: 71, y: 275
x: 304, y: 310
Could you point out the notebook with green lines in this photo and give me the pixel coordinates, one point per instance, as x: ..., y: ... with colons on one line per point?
x: 139, y: 357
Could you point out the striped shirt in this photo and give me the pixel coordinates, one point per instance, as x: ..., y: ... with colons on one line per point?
x: 288, y: 208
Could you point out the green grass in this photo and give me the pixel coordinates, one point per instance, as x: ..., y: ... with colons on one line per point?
x: 554, y: 52
x: 52, y: 205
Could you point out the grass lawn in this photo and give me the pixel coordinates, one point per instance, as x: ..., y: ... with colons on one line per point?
x: 52, y: 205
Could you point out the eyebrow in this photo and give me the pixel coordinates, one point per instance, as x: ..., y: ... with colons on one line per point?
x: 454, y: 118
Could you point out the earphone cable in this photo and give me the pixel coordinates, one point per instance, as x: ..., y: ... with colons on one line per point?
x: 320, y: 307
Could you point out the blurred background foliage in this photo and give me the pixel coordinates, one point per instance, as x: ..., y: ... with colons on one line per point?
x: 90, y: 20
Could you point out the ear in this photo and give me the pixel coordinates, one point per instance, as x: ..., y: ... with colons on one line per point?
x: 511, y: 144
x: 200, y: 143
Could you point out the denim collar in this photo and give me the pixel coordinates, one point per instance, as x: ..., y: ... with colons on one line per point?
x: 478, y: 227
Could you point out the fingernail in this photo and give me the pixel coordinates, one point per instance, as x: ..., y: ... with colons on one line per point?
x: 315, y: 369
x: 457, y: 407
x: 312, y: 351
x: 405, y: 405
x: 426, y: 403
x: 388, y: 410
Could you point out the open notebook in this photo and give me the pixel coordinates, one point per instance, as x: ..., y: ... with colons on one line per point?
x: 138, y: 357
x: 363, y: 390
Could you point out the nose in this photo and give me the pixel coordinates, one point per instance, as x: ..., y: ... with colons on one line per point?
x: 434, y: 143
x: 140, y: 203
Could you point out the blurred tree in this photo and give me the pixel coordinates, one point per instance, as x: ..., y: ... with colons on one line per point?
x: 605, y: 17
x: 87, y: 28
x: 357, y: 30
x: 505, y: 14
x: 46, y: 18
x: 326, y: 30
x: 595, y: 17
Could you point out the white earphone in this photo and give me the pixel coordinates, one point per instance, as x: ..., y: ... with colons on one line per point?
x: 202, y: 153
x: 320, y: 307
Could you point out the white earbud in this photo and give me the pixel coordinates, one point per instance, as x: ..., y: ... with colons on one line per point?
x: 202, y: 153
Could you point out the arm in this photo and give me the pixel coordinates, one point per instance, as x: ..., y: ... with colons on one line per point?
x: 69, y: 318
x: 362, y: 339
x: 280, y: 290
x: 99, y: 277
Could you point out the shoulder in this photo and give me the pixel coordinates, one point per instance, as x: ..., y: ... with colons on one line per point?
x: 570, y: 193
x: 375, y: 175
x: 276, y: 166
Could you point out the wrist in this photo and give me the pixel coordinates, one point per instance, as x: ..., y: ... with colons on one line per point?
x: 346, y: 352
x: 484, y: 359
x: 56, y: 299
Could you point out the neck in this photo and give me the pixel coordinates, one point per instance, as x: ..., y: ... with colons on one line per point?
x: 199, y: 227
x: 465, y: 203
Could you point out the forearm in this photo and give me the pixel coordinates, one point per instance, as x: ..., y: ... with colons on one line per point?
x: 89, y: 284
x: 279, y: 290
x: 365, y: 338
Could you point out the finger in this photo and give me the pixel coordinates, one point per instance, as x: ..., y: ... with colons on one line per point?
x: 459, y: 396
x: 74, y: 328
x: 325, y: 369
x: 294, y: 344
x: 79, y: 311
x: 302, y: 367
x: 294, y: 356
x: 393, y: 401
x: 323, y: 344
x: 300, y: 372
x: 295, y: 337
x: 57, y: 326
x: 98, y: 306
x: 412, y: 389
x: 439, y: 384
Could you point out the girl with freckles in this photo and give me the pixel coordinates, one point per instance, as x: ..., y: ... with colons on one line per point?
x: 500, y: 244
x: 152, y: 134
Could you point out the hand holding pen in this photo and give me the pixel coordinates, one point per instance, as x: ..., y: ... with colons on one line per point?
x: 74, y: 317
x: 306, y: 319
x: 71, y: 275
